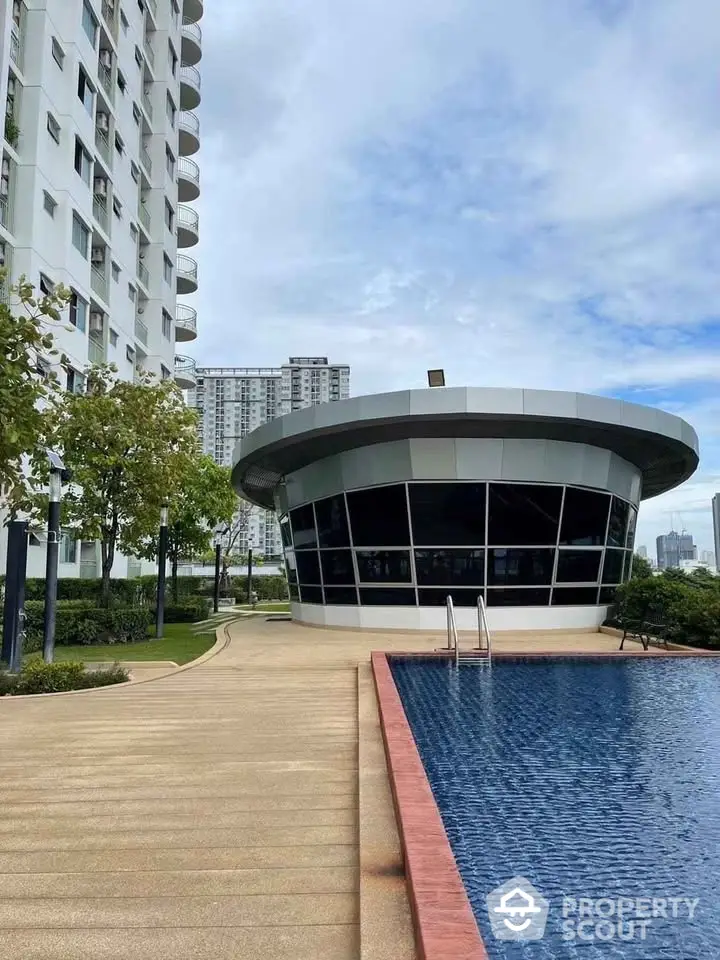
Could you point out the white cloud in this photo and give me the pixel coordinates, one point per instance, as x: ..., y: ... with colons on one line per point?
x: 526, y: 193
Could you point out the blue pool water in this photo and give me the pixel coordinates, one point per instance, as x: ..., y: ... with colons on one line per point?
x: 595, y: 779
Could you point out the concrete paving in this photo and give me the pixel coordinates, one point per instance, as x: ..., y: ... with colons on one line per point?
x: 212, y: 813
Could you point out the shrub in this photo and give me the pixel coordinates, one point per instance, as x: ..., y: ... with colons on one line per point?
x: 189, y: 611
x: 78, y: 622
x: 690, y: 609
x: 39, y: 677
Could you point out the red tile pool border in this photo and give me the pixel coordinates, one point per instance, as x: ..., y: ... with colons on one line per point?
x: 445, y: 927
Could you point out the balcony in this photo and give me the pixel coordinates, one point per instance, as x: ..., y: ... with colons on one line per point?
x: 189, y: 88
x: 188, y: 223
x: 106, y: 81
x: 98, y: 282
x: 6, y: 217
x: 192, y: 10
x: 109, y: 12
x: 102, y: 142
x: 6, y: 281
x: 143, y: 215
x: 187, y: 276
x: 149, y: 52
x: 141, y: 330
x: 16, y: 45
x: 152, y: 7
x: 190, y: 43
x: 145, y: 159
x: 97, y: 352
x: 143, y: 274
x: 188, y: 180
x: 185, y: 375
x: 188, y: 134
x: 185, y: 323
x: 147, y: 104
x: 100, y: 212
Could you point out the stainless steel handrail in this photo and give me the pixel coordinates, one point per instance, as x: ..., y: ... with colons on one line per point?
x: 483, y: 628
x: 452, y: 629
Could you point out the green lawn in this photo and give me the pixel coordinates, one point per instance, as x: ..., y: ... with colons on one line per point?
x: 280, y: 606
x: 180, y: 644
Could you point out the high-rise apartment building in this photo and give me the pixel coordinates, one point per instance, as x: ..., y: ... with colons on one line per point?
x: 673, y: 547
x: 233, y: 401
x: 716, y: 526
x: 708, y: 557
x: 96, y: 181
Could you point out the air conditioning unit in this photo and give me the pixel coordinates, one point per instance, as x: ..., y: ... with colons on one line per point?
x: 97, y: 257
x: 100, y: 186
x: 106, y: 58
x: 96, y: 322
x: 102, y: 121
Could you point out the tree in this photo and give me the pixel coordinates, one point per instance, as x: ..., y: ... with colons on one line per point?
x: 129, y: 447
x: 204, y: 500
x: 641, y: 567
x: 24, y: 385
x: 235, y: 535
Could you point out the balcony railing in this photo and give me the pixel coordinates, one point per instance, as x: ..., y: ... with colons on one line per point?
x: 149, y: 52
x: 6, y: 282
x: 187, y: 267
x: 147, y: 104
x: 187, y: 218
x: 96, y: 350
x: 145, y: 159
x: 106, y: 81
x: 152, y: 4
x: 192, y: 30
x: 108, y: 12
x: 190, y: 123
x: 98, y: 282
x: 143, y: 274
x: 6, y: 213
x: 16, y: 45
x: 186, y: 318
x: 185, y: 371
x: 141, y: 331
x: 100, y: 212
x: 144, y: 215
x: 102, y: 142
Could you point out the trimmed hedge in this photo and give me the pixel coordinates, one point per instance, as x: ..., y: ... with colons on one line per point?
x: 127, y: 593
x: 190, y: 611
x: 39, y: 677
x: 690, y: 606
x: 78, y: 622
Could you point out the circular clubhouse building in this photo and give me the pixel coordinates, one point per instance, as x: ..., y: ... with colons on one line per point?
x: 391, y: 502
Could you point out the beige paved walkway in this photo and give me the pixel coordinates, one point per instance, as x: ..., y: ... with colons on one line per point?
x: 210, y: 815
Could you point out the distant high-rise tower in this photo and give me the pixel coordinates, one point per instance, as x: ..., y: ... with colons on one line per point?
x: 716, y: 525
x: 233, y: 401
x: 673, y: 547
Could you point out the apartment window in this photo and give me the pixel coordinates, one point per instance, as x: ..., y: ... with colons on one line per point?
x: 113, y: 337
x: 119, y: 144
x: 53, y: 127
x: 121, y: 82
x: 117, y: 208
x: 78, y: 310
x: 169, y: 162
x: 135, y: 172
x: 75, y: 381
x: 49, y: 203
x: 136, y: 114
x: 68, y: 545
x: 132, y: 292
x: 166, y: 325
x: 175, y: 12
x: 86, y: 91
x: 138, y: 57
x: 124, y: 22
x: 83, y: 161
x: 133, y: 231
x: 115, y: 271
x: 46, y: 285
x: 58, y: 53
x: 172, y: 59
x: 80, y: 236
x: 89, y: 22
x: 169, y: 215
x: 164, y: 372
x: 170, y: 109
x: 130, y: 353
x: 167, y: 268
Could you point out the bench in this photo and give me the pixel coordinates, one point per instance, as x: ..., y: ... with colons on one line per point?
x: 651, y: 629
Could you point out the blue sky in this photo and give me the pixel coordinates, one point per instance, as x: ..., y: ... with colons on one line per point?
x: 525, y: 193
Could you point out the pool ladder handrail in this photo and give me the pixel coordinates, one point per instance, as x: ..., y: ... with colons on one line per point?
x: 483, y: 653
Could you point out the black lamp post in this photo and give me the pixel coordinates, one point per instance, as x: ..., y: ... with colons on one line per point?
x: 249, y: 577
x: 58, y: 474
x: 218, y: 560
x: 162, y: 558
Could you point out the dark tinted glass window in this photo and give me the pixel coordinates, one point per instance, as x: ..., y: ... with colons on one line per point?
x: 384, y: 566
x: 574, y: 596
x: 378, y: 517
x: 585, y: 515
x: 308, y: 566
x: 438, y: 597
x: 291, y: 566
x: 632, y: 523
x: 578, y: 566
x: 332, y: 523
x: 285, y: 531
x: 617, y: 531
x: 523, y: 514
x: 520, y: 567
x: 303, y: 527
x: 607, y: 595
x: 435, y: 567
x: 294, y: 592
x: 444, y: 514
x: 337, y: 566
x: 613, y: 567
x: 311, y: 594
x: 387, y: 597
x: 518, y: 598
x: 347, y: 596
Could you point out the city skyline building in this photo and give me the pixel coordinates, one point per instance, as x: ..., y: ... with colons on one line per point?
x: 234, y: 401
x: 674, y: 547
x: 716, y: 525
x: 95, y: 186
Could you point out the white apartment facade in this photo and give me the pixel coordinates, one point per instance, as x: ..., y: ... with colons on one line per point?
x: 96, y: 185
x: 233, y: 401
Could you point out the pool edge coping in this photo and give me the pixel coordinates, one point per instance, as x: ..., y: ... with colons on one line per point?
x: 445, y: 925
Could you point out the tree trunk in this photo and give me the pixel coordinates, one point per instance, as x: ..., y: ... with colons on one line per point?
x: 107, y: 551
x: 174, y: 576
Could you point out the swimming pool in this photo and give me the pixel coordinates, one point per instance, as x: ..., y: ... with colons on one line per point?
x: 594, y: 779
